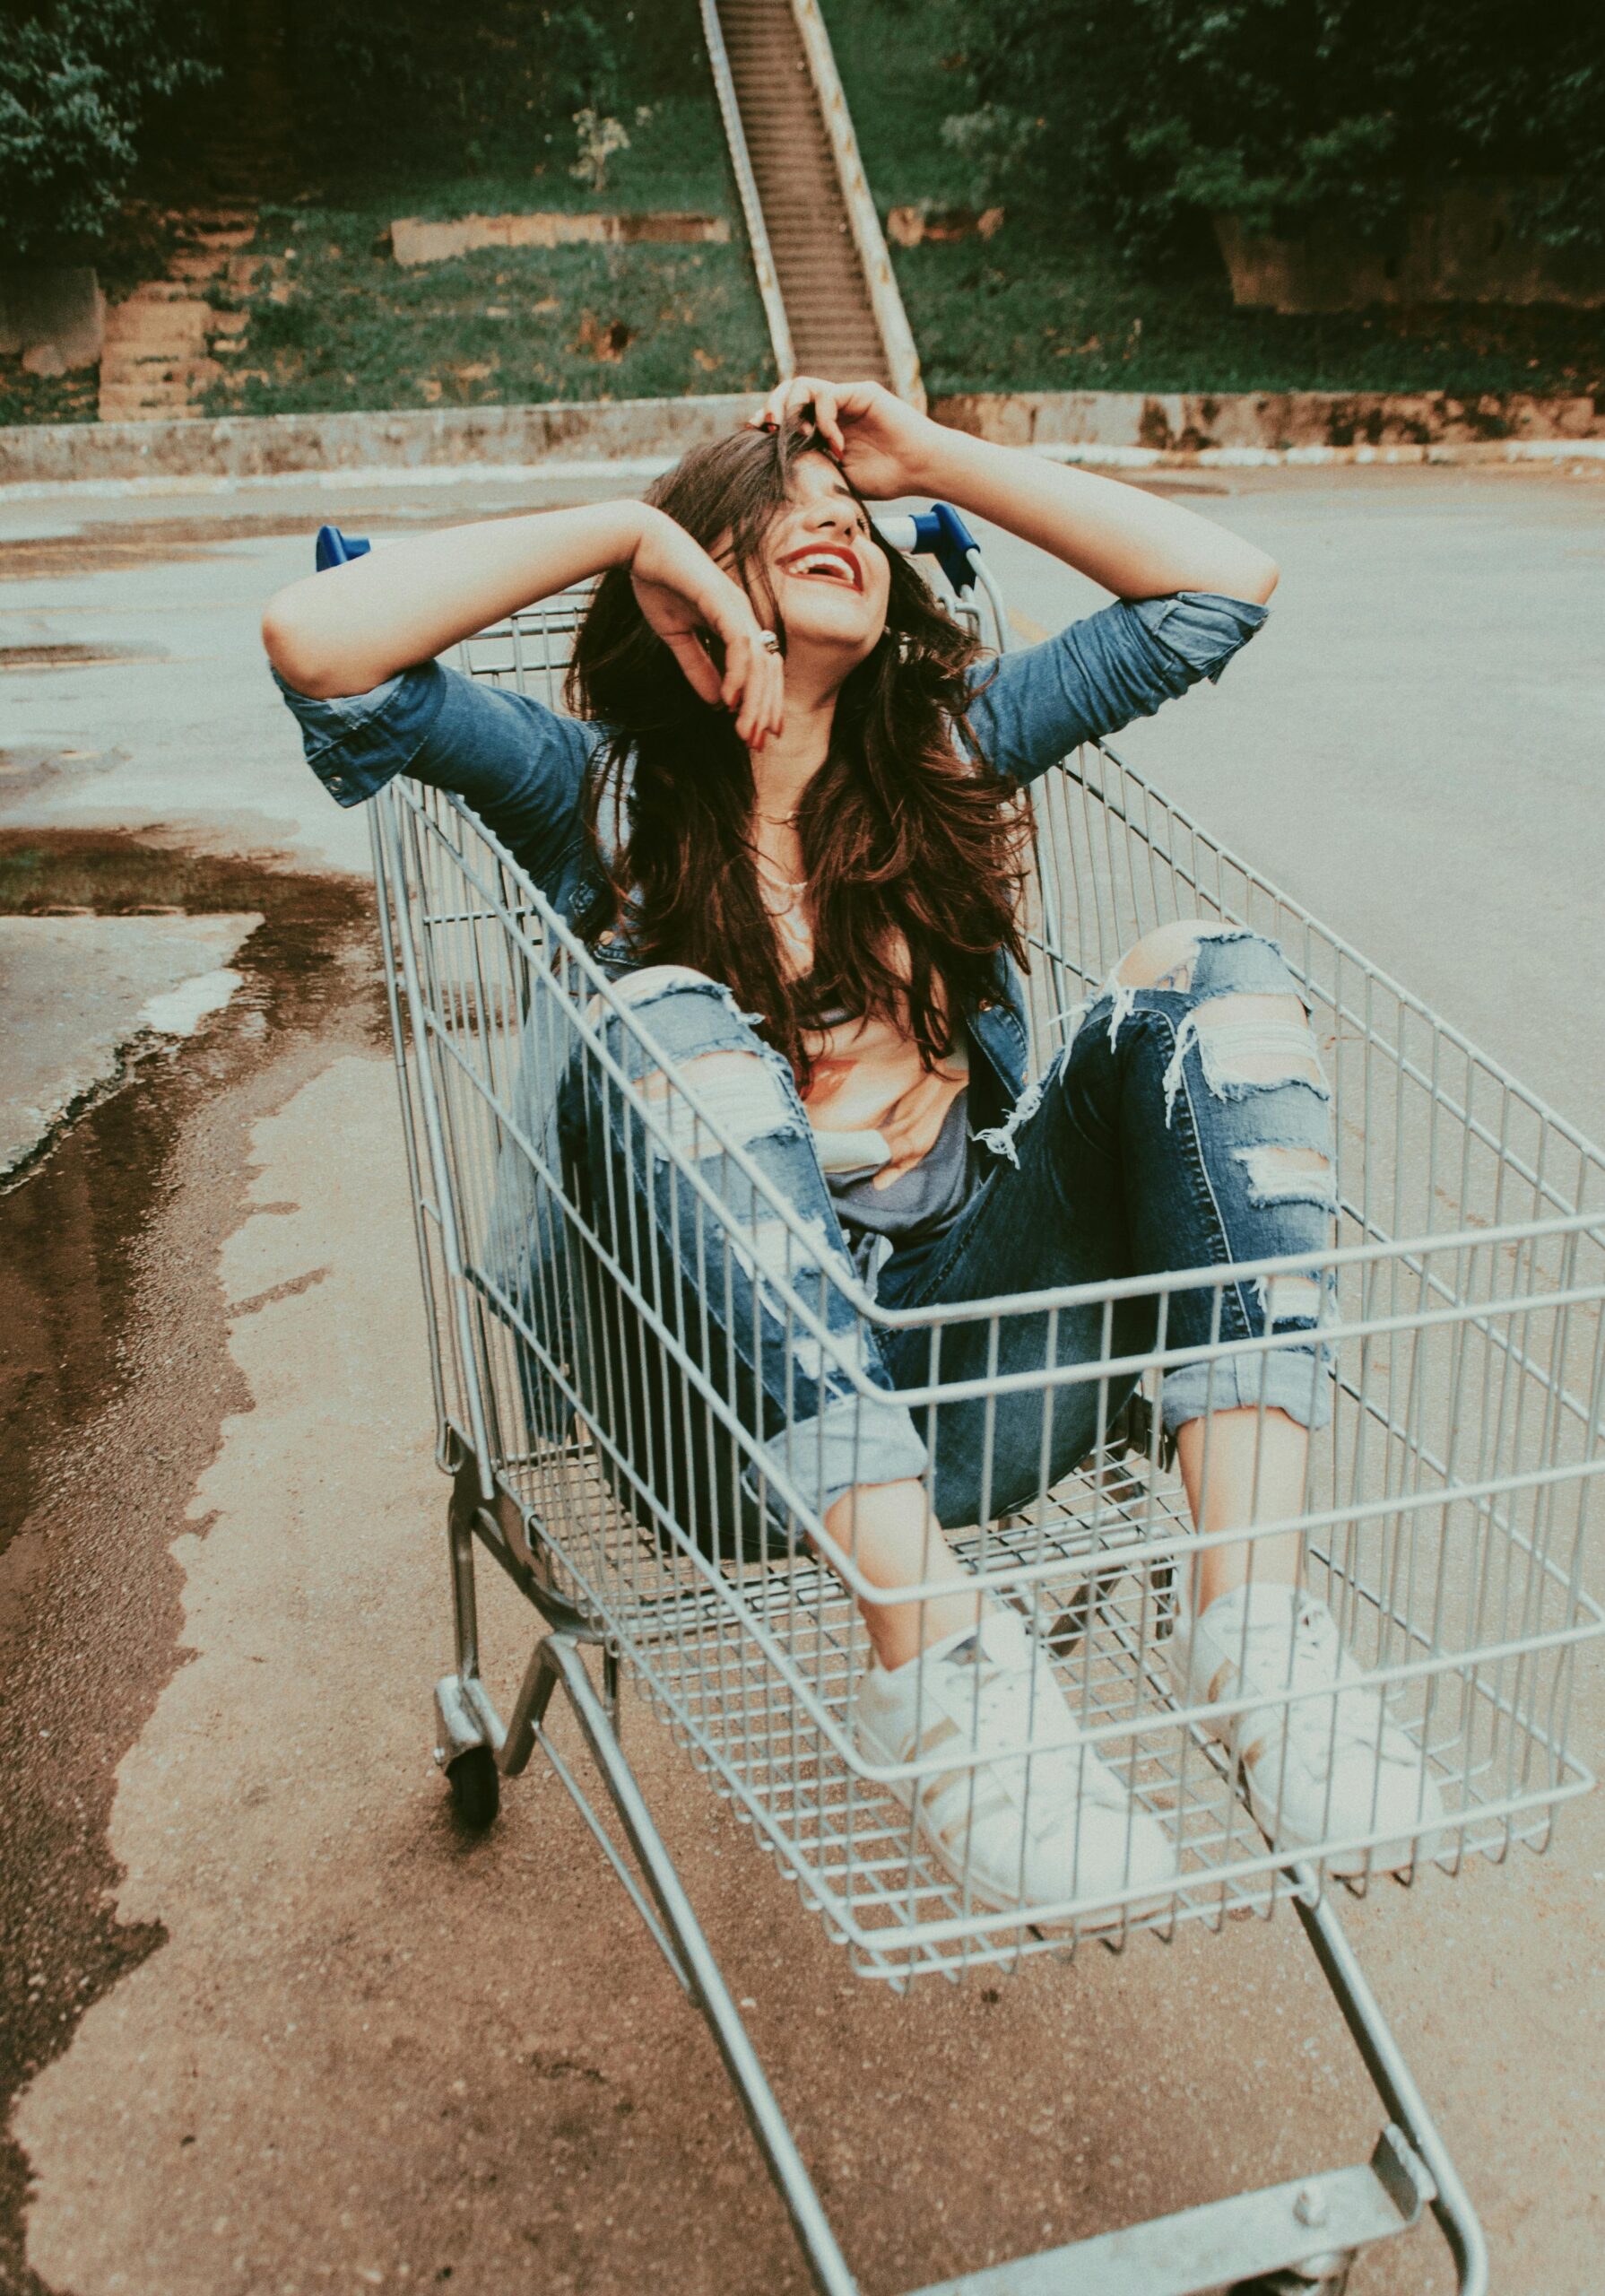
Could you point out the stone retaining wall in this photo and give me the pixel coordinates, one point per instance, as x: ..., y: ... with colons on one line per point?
x: 1112, y: 427
x: 1264, y: 421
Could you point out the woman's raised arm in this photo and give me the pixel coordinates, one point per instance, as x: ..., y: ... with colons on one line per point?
x: 1138, y: 544
x: 347, y: 630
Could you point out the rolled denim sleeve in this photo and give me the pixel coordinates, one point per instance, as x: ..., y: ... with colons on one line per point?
x: 1033, y: 707
x: 519, y: 764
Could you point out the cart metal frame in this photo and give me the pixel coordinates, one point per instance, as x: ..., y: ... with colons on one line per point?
x: 1114, y: 851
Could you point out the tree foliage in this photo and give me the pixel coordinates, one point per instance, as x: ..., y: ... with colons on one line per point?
x: 1157, y: 111
x: 387, y: 79
x: 81, y: 81
x: 88, y: 86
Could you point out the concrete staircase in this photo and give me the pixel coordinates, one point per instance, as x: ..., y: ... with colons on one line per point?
x: 821, y: 279
x: 160, y: 348
x: 166, y: 342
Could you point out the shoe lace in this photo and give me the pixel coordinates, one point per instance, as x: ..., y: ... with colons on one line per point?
x: 1353, y: 1717
x: 1007, y: 1706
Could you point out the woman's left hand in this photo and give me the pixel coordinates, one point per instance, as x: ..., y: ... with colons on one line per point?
x: 883, y: 446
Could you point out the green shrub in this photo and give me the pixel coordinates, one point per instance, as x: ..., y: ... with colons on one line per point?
x: 82, y: 82
x: 1155, y: 112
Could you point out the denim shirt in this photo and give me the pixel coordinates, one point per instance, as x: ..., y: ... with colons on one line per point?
x: 523, y: 767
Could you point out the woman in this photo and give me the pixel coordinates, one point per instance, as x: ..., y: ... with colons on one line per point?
x: 782, y: 816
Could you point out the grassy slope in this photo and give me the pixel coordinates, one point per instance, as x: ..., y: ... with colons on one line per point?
x: 138, y: 249
x: 358, y: 331
x: 1041, y: 307
x: 506, y: 326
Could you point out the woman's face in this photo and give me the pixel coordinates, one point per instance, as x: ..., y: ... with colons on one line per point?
x: 829, y: 575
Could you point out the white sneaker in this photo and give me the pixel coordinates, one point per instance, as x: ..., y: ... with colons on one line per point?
x: 1316, y: 1769
x: 1011, y: 1832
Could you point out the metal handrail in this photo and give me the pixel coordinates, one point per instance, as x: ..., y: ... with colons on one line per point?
x: 746, y: 183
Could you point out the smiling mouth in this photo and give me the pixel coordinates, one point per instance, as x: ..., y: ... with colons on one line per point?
x: 823, y: 565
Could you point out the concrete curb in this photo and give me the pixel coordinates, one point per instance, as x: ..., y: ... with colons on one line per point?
x: 638, y: 436
x: 459, y: 438
x: 1261, y: 427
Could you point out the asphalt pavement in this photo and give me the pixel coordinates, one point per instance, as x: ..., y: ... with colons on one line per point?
x: 271, y: 2023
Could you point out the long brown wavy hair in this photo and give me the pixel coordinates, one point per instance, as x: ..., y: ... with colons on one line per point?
x: 914, y: 850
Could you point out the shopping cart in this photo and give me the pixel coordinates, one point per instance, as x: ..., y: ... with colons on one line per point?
x: 1447, y: 1505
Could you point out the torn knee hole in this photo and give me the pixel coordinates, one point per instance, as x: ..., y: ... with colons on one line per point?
x: 1290, y: 1299
x: 1290, y: 1163
x: 658, y: 980
x: 709, y: 1076
x: 644, y: 987
x: 1248, y: 1041
x: 1250, y: 1004
x: 1250, y: 1038
x: 774, y: 1249
x: 1164, y: 959
x: 737, y: 1099
x: 1286, y: 1174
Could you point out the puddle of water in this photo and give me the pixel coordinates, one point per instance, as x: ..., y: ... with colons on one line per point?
x: 46, y: 871
x: 114, y: 1379
x: 70, y: 1229
x: 179, y: 1012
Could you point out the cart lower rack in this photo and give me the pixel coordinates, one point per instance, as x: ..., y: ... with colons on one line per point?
x: 603, y: 1454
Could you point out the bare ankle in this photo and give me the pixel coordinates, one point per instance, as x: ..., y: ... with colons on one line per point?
x: 887, y: 1532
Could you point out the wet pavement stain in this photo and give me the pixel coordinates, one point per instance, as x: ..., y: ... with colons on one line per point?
x: 107, y: 547
x: 104, y: 548
x: 115, y: 1377
x: 113, y: 874
x: 65, y: 654
x: 26, y: 769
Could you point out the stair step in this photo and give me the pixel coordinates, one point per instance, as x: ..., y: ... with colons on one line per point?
x: 180, y: 329
x: 143, y: 374
x: 823, y: 288
x: 164, y: 413
x: 156, y: 290
x: 116, y: 400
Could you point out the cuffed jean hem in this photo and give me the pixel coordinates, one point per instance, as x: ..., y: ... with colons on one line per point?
x: 1290, y: 1379
x: 856, y: 1438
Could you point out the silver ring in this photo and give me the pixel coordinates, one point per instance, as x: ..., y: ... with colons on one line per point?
x: 768, y: 640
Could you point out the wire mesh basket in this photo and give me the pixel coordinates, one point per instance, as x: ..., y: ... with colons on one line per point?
x: 1446, y: 1505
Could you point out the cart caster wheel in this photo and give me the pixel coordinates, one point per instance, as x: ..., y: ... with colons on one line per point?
x: 475, y: 1784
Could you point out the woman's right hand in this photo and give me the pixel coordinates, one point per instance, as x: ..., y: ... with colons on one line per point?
x: 686, y: 598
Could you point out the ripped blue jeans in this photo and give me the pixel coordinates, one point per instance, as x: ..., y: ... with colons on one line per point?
x: 1178, y: 1129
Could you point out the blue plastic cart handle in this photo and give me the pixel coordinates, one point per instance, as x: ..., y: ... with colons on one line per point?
x: 335, y: 549
x: 942, y: 535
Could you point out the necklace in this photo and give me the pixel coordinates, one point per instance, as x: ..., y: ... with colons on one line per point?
x: 779, y: 821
